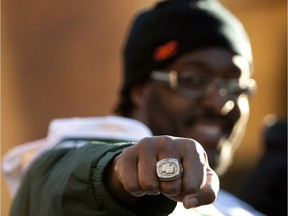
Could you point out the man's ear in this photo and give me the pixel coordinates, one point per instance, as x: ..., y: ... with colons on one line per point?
x: 137, y: 94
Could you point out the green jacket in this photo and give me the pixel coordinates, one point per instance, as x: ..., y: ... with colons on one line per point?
x: 68, y: 180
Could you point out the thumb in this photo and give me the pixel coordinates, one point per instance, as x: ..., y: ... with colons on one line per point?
x: 207, y: 194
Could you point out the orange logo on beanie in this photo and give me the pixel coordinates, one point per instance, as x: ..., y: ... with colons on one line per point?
x: 165, y: 50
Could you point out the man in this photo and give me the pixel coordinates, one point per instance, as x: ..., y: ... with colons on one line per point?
x: 188, y: 69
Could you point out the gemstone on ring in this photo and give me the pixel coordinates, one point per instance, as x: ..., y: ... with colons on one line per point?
x: 169, y: 169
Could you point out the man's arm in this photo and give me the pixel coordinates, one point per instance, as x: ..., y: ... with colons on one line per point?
x: 94, y: 180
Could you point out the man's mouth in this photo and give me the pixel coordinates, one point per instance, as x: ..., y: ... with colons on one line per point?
x: 208, y: 128
x: 209, y: 131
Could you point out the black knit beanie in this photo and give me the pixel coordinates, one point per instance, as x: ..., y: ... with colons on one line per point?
x: 172, y: 28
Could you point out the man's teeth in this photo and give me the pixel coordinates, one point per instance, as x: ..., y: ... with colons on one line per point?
x: 208, y: 130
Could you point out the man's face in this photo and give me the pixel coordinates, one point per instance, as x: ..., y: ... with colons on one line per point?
x: 213, y: 120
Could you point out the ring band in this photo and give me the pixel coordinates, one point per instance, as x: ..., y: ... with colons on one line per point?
x: 169, y: 169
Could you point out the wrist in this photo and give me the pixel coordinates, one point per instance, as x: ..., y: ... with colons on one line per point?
x: 116, y: 188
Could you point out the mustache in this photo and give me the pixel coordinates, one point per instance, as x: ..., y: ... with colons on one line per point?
x: 211, y: 116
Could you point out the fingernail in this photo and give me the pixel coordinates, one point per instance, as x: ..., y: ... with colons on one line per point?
x: 138, y: 193
x: 192, y: 202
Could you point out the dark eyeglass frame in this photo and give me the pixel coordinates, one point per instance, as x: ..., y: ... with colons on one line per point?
x: 231, y: 88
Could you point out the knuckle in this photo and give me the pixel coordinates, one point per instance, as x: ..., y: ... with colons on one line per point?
x: 163, y: 143
x: 145, y: 144
x: 189, y: 145
x: 144, y: 140
x: 150, y: 188
x: 191, y: 189
x: 165, y: 138
x: 171, y: 190
x: 132, y: 188
x: 166, y: 144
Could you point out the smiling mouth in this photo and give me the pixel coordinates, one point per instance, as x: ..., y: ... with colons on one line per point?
x: 209, y: 131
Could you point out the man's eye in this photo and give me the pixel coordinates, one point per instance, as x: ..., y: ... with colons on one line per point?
x: 194, y: 81
x: 235, y: 89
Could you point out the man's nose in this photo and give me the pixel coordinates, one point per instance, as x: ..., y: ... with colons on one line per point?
x: 217, y: 102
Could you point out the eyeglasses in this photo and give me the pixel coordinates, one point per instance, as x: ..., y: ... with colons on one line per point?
x: 198, y: 85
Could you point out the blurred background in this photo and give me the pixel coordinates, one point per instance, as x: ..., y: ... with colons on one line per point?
x: 63, y: 59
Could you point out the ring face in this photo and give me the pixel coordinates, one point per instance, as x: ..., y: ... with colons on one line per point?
x: 169, y: 169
